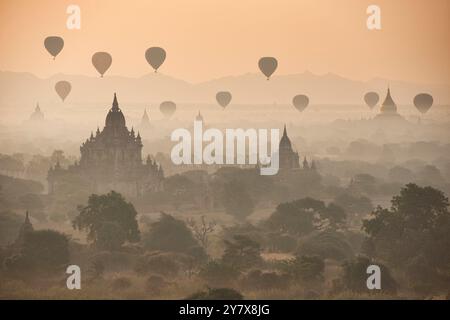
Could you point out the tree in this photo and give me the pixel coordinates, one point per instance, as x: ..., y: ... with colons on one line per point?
x: 169, y: 234
x: 202, y: 230
x: 354, y: 277
x: 48, y: 248
x: 96, y: 269
x: 257, y: 186
x: 42, y: 251
x: 353, y: 204
x: 236, y: 200
x: 108, y: 219
x: 414, y: 236
x: 251, y: 231
x: 327, y: 244
x: 9, y: 227
x: 58, y: 156
x: 13, y: 188
x: 110, y: 236
x: 9, y: 164
x: 242, y: 252
x: 334, y: 214
x: 303, y: 216
x: 291, y: 217
x: 216, y: 273
x: 305, y: 268
x: 364, y: 183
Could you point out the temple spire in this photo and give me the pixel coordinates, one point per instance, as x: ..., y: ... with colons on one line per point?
x: 199, y: 116
x: 284, y: 131
x: 115, y: 104
x: 145, y: 118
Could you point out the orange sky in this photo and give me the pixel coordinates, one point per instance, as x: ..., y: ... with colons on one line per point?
x: 207, y: 39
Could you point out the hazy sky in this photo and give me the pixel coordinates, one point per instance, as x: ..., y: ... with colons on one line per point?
x: 207, y: 39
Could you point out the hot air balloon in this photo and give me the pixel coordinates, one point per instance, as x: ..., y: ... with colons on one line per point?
x: 268, y: 65
x: 371, y: 99
x: 300, y: 102
x: 155, y: 56
x: 167, y: 108
x: 54, y: 45
x: 423, y: 102
x: 63, y: 88
x: 101, y: 61
x: 223, y: 98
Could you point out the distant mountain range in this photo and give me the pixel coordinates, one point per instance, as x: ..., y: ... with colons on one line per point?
x: 25, y: 89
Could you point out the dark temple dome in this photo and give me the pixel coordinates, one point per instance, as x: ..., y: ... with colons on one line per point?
x: 115, y: 116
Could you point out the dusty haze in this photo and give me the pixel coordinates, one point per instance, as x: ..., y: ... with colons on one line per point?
x: 90, y: 181
x: 210, y: 39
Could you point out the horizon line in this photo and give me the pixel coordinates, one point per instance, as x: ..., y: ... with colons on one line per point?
x: 374, y: 78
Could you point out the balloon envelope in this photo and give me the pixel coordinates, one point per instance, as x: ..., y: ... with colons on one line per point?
x: 371, y: 99
x: 300, y: 102
x: 155, y: 56
x: 101, y: 61
x: 54, y: 45
x: 63, y: 88
x: 423, y: 102
x: 167, y: 108
x: 223, y: 98
x: 268, y: 65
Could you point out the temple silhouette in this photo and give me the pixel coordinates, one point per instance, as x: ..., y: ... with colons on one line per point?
x: 145, y: 122
x: 388, y: 110
x: 37, y: 115
x: 112, y: 160
x: 289, y: 159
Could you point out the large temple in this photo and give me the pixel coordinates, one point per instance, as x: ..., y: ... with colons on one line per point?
x: 112, y: 160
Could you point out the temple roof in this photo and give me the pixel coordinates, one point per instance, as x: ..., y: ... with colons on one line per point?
x: 388, y: 105
x: 199, y: 117
x: 285, y: 142
x: 37, y: 114
x: 115, y: 133
x: 145, y: 116
x: 115, y: 117
x: 25, y: 229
